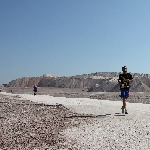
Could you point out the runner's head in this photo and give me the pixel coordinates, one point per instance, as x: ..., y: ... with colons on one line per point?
x: 124, y: 69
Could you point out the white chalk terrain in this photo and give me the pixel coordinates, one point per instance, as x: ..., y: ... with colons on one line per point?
x: 109, y: 129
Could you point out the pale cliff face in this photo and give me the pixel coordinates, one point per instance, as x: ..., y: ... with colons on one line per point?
x: 97, y: 82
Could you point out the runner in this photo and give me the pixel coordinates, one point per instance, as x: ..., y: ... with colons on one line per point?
x: 124, y: 82
x: 35, y: 89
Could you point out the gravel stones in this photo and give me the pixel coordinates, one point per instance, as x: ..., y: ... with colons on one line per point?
x: 115, y: 133
x: 28, y: 125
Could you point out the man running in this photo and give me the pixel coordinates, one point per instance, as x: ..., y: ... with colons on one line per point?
x: 35, y: 89
x: 124, y: 82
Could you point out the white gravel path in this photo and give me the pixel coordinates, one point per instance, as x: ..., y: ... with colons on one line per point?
x: 129, y: 132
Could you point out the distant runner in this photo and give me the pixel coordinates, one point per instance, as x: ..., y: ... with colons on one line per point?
x: 35, y: 89
x: 124, y: 82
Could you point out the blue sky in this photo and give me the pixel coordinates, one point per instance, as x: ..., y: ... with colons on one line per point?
x: 72, y: 37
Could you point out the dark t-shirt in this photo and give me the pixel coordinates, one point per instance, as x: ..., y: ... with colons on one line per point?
x: 35, y: 89
x: 123, y: 80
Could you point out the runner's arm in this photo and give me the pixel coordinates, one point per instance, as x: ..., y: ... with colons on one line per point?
x: 130, y: 79
x: 119, y: 80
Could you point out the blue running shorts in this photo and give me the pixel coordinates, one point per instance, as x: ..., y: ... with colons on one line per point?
x: 124, y: 93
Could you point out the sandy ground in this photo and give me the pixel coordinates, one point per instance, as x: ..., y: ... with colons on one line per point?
x: 47, y: 122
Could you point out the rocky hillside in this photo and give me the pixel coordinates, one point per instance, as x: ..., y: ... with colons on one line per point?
x: 24, y: 82
x: 95, y: 82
